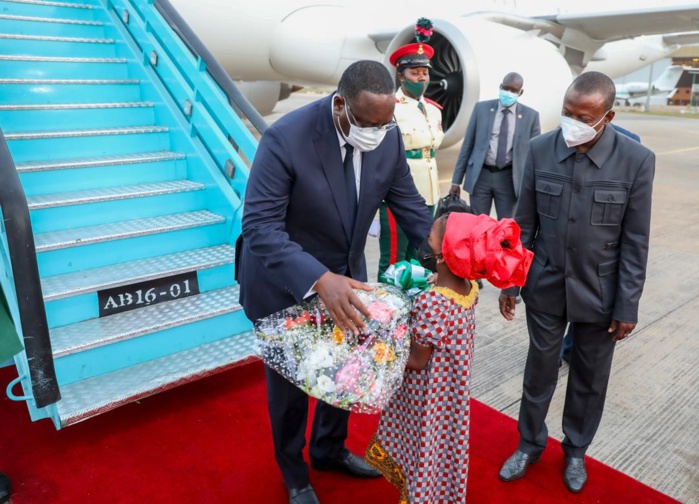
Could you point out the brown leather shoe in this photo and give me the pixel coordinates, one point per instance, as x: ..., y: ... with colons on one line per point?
x: 516, y: 466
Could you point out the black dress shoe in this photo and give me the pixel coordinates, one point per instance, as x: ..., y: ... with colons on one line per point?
x: 516, y: 466
x: 305, y: 495
x: 5, y: 488
x: 351, y: 464
x: 575, y: 474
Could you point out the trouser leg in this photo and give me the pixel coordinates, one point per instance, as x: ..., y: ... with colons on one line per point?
x: 540, y: 378
x: 328, y: 434
x: 504, y: 194
x: 288, y: 414
x: 481, y: 198
x: 388, y: 240
x: 393, y: 242
x: 590, y: 366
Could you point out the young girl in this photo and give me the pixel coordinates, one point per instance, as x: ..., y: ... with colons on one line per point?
x: 421, y: 445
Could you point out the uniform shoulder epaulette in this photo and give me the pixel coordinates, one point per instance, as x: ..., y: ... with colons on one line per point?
x: 433, y: 103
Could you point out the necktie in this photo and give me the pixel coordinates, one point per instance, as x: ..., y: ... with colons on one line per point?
x: 421, y: 106
x: 500, y: 157
x: 350, y: 183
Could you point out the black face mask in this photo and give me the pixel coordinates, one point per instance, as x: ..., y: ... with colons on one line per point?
x: 426, y: 256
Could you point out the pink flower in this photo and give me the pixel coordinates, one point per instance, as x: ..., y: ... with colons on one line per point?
x: 380, y: 312
x: 400, y: 332
x: 347, y: 378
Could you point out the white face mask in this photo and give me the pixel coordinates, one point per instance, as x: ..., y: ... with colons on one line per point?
x: 578, y: 133
x: 364, y: 139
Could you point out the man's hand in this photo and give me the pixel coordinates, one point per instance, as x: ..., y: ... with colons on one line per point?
x: 620, y: 330
x: 507, y: 306
x: 336, y: 293
x: 455, y: 190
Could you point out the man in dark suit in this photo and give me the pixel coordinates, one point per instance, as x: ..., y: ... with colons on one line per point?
x: 318, y: 178
x: 494, y: 148
x: 584, y: 208
x: 567, y: 347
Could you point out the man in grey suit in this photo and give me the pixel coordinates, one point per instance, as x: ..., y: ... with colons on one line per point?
x: 494, y: 148
x: 584, y: 208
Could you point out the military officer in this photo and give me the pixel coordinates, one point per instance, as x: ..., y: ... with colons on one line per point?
x: 420, y: 122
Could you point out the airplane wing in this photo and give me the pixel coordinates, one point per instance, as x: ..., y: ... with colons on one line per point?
x: 618, y: 25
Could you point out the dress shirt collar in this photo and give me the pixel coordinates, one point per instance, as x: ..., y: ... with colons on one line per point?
x: 512, y: 108
x: 401, y: 94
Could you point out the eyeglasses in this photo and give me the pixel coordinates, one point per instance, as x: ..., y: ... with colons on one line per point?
x: 370, y: 129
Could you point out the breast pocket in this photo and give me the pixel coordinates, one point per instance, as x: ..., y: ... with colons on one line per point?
x: 607, y: 207
x: 548, y: 198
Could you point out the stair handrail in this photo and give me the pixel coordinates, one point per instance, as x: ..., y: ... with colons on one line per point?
x: 213, y: 67
x: 25, y: 275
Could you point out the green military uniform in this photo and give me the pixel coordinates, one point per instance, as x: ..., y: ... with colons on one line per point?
x: 420, y: 123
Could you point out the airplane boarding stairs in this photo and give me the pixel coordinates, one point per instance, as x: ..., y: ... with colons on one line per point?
x: 134, y: 164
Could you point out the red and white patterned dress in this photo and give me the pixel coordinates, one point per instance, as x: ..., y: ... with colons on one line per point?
x: 421, y: 444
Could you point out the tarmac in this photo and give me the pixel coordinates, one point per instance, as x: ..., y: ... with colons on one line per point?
x: 650, y: 427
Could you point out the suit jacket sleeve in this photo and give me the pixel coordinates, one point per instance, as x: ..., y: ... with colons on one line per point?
x: 526, y: 215
x: 405, y: 202
x: 466, y: 148
x: 633, y: 255
x: 536, y: 126
x: 264, y: 230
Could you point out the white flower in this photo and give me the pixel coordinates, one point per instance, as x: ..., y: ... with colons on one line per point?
x: 319, y: 358
x: 325, y: 385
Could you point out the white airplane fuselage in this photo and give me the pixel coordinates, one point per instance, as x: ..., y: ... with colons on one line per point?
x: 311, y: 43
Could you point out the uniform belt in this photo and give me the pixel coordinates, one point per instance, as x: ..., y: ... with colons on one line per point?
x: 494, y: 169
x: 425, y: 152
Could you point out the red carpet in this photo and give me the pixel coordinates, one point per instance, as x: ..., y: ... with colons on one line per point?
x: 209, y: 442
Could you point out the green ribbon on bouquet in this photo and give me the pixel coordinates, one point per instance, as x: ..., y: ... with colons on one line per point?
x: 409, y: 276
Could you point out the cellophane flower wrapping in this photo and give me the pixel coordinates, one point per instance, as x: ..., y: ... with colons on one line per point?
x: 356, y: 373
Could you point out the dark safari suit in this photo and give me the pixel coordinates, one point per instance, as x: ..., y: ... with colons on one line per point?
x: 587, y: 218
x: 296, y: 227
x: 471, y: 160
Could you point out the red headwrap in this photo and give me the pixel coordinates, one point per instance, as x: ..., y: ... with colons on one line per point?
x: 478, y: 246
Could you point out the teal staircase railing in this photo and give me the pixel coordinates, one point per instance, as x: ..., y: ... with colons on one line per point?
x: 128, y: 141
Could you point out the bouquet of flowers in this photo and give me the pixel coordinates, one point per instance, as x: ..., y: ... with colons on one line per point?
x: 356, y: 373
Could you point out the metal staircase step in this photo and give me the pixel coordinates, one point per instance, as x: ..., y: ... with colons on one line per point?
x: 73, y: 106
x: 37, y: 19
x: 84, y: 399
x: 107, y: 277
x: 53, y: 4
x: 55, y: 240
x: 98, y: 332
x: 112, y: 194
x: 93, y: 162
x: 34, y: 135
x: 59, y: 59
x: 46, y: 38
x: 53, y: 117
x: 53, y: 82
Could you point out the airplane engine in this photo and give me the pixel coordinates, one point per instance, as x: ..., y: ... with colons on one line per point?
x: 471, y: 58
x: 264, y: 95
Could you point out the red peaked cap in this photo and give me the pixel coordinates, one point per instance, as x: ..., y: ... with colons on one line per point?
x: 421, y: 52
x: 478, y: 246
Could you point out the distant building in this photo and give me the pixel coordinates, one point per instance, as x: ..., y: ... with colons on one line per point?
x: 689, y: 57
